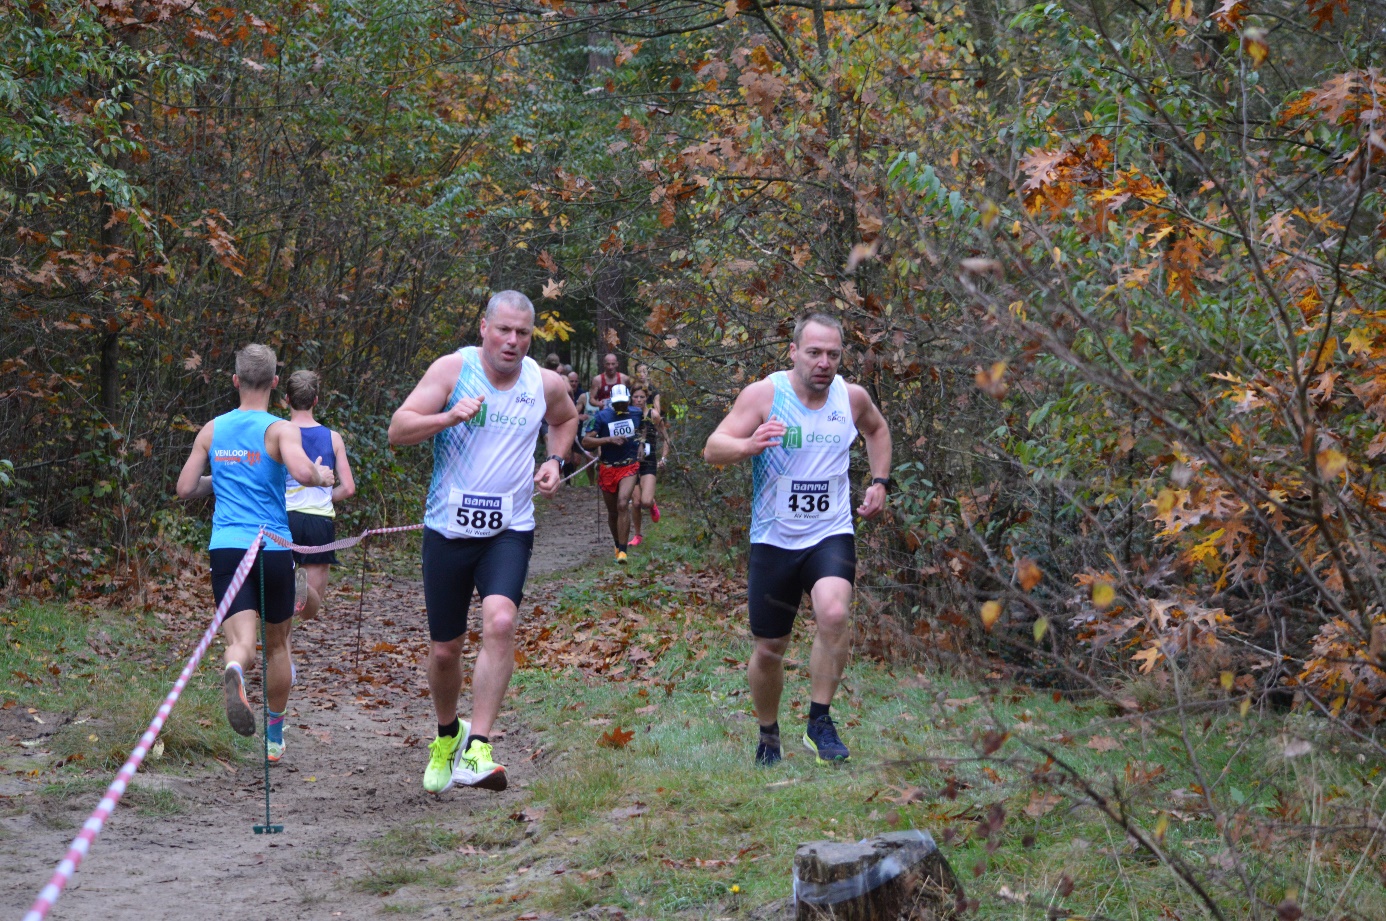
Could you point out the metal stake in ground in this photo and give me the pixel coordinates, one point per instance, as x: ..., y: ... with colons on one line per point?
x: 361, y: 606
x: 267, y: 828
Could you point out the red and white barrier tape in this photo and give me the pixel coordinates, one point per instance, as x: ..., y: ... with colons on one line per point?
x: 92, y: 827
x: 342, y: 544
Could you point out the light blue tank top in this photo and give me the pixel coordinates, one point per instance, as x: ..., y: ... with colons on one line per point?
x: 249, y: 484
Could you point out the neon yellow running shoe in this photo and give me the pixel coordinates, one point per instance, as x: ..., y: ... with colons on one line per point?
x: 443, y: 755
x: 476, y: 769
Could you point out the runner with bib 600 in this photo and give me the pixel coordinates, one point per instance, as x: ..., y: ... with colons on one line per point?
x: 798, y: 426
x: 482, y: 408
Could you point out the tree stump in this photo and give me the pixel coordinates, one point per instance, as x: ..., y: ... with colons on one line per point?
x: 900, y: 876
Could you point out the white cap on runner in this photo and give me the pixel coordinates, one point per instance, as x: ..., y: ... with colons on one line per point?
x: 620, y: 393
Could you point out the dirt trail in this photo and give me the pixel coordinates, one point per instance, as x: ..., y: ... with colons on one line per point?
x: 356, y: 753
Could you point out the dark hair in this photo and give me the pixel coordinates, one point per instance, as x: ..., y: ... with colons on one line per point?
x: 822, y: 319
x: 303, y: 389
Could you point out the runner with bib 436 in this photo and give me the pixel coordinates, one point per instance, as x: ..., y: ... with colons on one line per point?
x: 797, y: 427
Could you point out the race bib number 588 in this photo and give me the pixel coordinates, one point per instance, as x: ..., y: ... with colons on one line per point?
x: 477, y: 514
x: 807, y: 500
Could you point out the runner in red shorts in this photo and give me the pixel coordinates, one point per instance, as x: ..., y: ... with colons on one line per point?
x: 613, y: 431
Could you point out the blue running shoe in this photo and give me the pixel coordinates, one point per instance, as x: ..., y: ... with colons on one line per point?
x: 822, y: 739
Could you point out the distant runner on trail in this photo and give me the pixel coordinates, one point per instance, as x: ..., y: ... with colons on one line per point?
x: 611, y: 375
x: 251, y: 452
x: 798, y: 426
x: 482, y: 408
x: 312, y: 509
x: 642, y: 380
x: 613, y: 430
x: 653, y: 451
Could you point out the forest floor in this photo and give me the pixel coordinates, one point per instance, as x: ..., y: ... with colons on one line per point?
x: 628, y: 738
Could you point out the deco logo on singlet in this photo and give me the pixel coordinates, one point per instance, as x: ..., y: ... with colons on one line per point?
x: 483, y: 416
x: 795, y: 438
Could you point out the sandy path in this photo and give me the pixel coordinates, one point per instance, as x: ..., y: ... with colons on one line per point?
x: 357, y: 750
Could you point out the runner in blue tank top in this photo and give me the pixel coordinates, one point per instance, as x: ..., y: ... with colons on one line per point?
x: 482, y: 408
x: 798, y: 427
x: 313, y: 509
x: 249, y: 451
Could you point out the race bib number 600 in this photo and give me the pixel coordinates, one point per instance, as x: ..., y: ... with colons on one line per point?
x: 477, y: 514
x: 806, y: 500
x: 621, y: 428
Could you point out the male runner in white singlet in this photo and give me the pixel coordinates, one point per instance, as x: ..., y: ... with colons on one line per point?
x: 798, y: 427
x: 482, y: 408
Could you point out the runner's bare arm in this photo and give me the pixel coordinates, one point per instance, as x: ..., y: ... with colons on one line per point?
x: 748, y: 429
x: 876, y: 434
x: 421, y: 415
x: 192, y: 484
x: 562, y: 419
x: 591, y: 441
x: 284, y: 442
x: 346, y: 483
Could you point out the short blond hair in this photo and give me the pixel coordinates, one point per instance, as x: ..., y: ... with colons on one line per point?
x: 303, y: 389
x: 255, y: 366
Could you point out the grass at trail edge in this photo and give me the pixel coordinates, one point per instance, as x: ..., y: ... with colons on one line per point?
x: 648, y: 802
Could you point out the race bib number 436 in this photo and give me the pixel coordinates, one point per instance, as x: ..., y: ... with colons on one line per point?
x: 477, y: 514
x: 807, y: 500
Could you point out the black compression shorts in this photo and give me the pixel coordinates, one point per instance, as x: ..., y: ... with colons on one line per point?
x: 454, y: 567
x: 279, y: 582
x: 778, y: 579
x: 313, y: 531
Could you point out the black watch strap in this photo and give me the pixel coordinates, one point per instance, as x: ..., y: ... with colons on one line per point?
x: 554, y: 457
x: 883, y: 481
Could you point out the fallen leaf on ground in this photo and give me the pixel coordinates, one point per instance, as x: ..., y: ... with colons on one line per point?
x: 1103, y: 744
x: 616, y: 738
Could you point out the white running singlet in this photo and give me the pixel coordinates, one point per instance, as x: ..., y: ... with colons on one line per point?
x: 800, y: 493
x: 483, y: 470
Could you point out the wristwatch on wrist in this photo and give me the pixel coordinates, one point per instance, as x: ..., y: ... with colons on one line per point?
x: 554, y: 457
x: 882, y: 481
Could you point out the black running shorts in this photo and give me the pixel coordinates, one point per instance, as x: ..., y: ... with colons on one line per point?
x: 649, y: 466
x: 279, y: 582
x: 778, y: 579
x: 313, y: 531
x: 454, y: 567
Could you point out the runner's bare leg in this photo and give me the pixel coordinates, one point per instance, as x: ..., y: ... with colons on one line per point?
x: 765, y: 672
x: 494, y: 663
x: 832, y: 606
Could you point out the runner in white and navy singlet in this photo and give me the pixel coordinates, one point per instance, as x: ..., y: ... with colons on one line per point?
x: 482, y: 407
x: 313, y: 509
x: 797, y: 427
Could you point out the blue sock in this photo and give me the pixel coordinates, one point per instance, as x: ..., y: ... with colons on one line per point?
x: 274, y: 728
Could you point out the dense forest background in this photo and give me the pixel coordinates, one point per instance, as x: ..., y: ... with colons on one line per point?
x: 1113, y: 270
